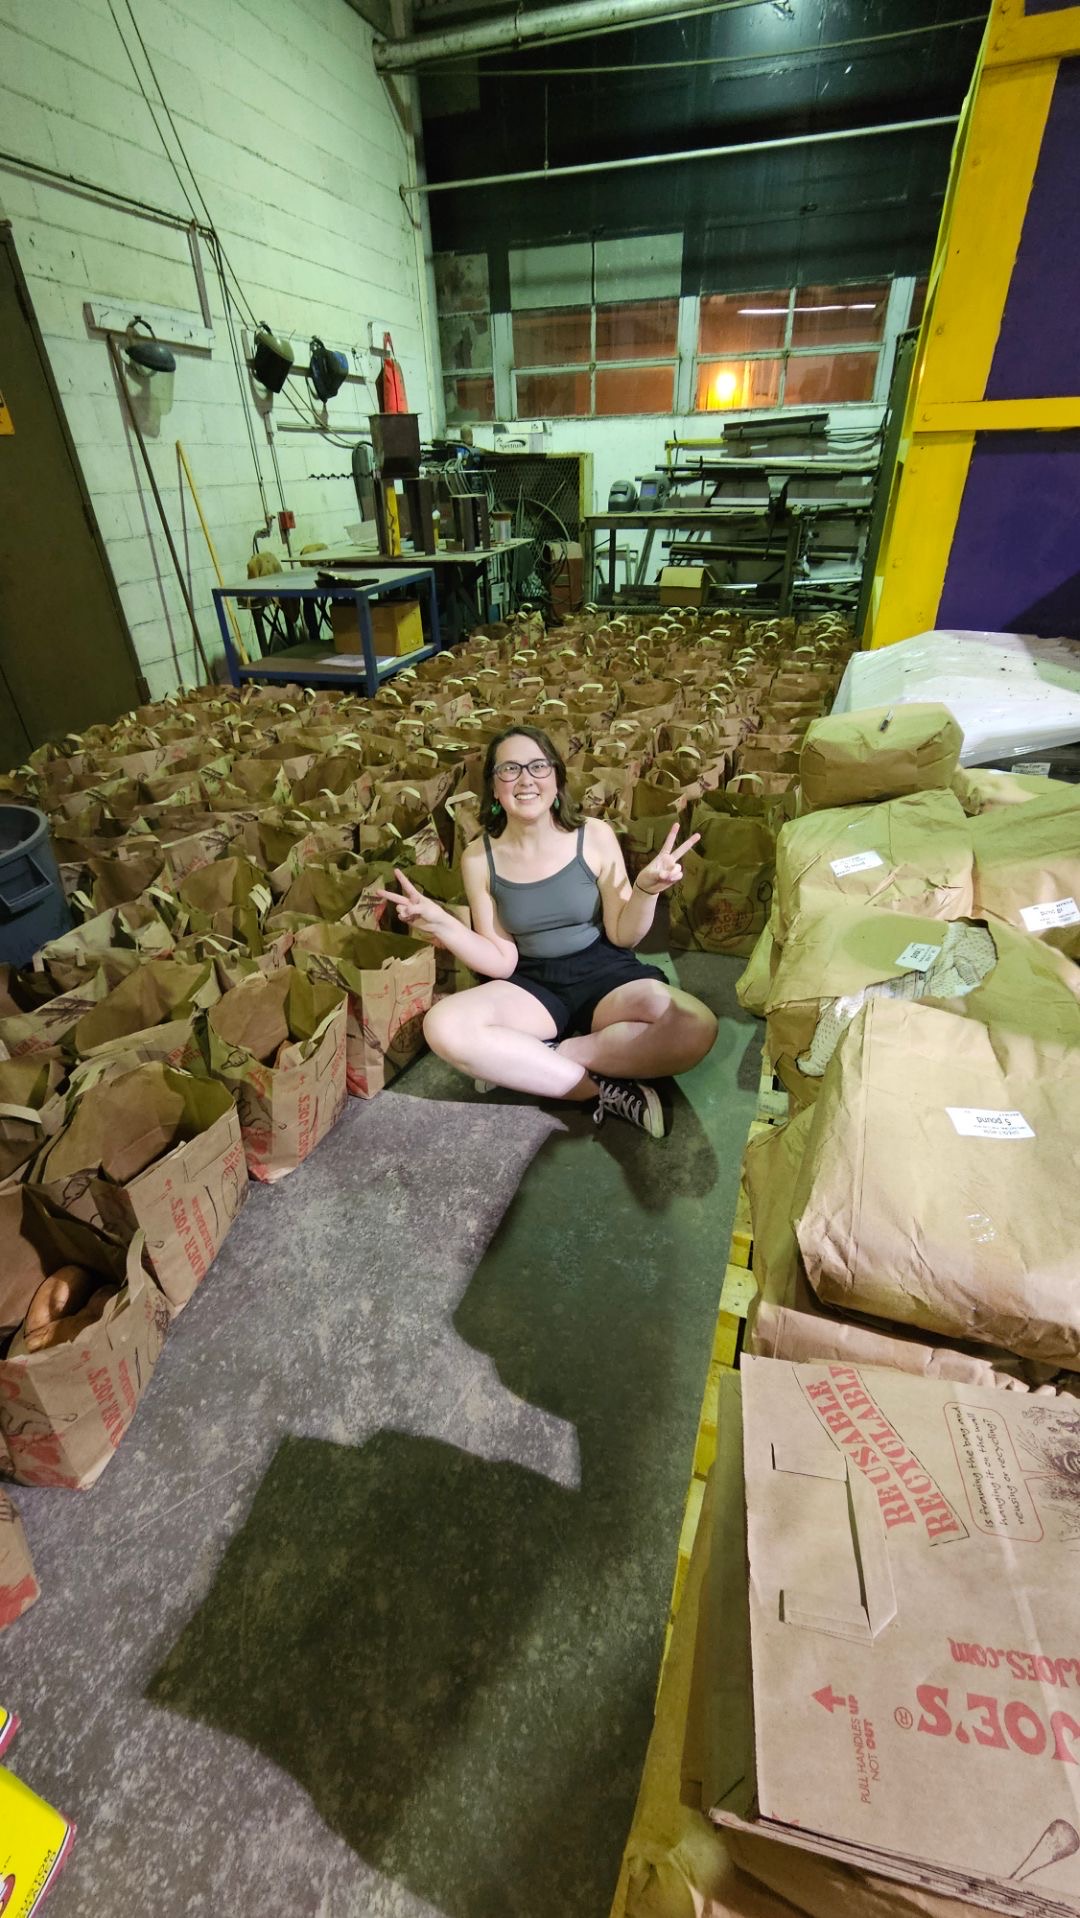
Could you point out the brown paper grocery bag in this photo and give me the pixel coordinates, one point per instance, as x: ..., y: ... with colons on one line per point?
x: 1027, y: 868
x: 64, y: 1410
x: 910, y: 855
x: 50, y: 1024
x: 231, y: 897
x: 323, y: 891
x: 390, y: 983
x: 31, y: 1108
x: 156, y: 1151
x: 148, y: 1015
x: 19, y: 1588
x: 278, y: 1040
x: 880, y: 753
x: 723, y: 901
x: 446, y: 885
x: 938, y: 1187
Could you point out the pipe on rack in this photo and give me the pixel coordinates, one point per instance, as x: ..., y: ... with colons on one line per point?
x: 688, y: 153
x: 522, y: 28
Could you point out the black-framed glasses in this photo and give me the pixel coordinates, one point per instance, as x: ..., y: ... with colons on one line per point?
x: 510, y: 769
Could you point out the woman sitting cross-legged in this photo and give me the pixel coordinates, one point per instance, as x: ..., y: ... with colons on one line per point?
x: 567, y: 1011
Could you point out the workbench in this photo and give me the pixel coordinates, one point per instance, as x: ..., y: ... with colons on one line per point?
x: 779, y: 532
x: 316, y: 663
x: 468, y: 575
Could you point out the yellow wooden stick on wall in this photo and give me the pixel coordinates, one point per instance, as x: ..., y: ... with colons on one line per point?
x: 212, y: 549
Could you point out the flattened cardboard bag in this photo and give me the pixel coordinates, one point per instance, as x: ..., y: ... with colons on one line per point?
x: 911, y: 1546
x: 149, y: 1015
x: 788, y: 1321
x: 910, y: 855
x: 939, y: 1184
x: 278, y: 1040
x: 18, y: 1581
x: 390, y: 982
x: 64, y: 1410
x: 158, y: 1151
x: 881, y: 753
x: 1027, y: 868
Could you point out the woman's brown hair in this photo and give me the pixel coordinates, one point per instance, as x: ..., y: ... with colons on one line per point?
x: 564, y: 811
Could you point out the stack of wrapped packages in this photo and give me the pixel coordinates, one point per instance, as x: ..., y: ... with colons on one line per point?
x: 870, y: 1704
x: 232, y: 976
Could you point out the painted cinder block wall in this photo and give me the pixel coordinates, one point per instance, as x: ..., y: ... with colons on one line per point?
x: 295, y: 143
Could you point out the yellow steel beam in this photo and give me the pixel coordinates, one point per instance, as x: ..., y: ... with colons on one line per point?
x: 997, y: 168
x: 915, y: 550
x: 1015, y: 37
x: 999, y: 416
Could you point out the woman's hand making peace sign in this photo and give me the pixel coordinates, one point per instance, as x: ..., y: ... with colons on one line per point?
x: 414, y: 909
x: 665, y: 871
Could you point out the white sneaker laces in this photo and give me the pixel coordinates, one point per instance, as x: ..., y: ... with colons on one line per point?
x: 622, y: 1100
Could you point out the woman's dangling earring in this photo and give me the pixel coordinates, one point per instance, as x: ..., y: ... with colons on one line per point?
x: 555, y: 807
x: 496, y: 808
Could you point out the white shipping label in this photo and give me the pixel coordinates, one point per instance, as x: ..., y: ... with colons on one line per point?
x: 856, y: 862
x: 1038, y: 768
x: 918, y: 958
x: 976, y: 1122
x: 1061, y: 912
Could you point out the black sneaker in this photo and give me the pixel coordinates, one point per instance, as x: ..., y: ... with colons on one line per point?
x: 633, y: 1100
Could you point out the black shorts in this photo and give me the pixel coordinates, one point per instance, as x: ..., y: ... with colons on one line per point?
x: 571, y: 988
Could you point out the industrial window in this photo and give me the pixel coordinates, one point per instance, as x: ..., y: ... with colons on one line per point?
x: 461, y: 285
x: 594, y: 327
x: 790, y: 346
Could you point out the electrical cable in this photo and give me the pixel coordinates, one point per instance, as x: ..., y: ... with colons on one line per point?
x: 719, y: 59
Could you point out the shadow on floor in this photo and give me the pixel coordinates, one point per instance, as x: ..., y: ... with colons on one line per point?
x: 456, y: 1658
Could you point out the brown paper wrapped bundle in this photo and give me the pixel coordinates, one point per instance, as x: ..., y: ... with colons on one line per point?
x: 157, y: 1151
x: 938, y: 1187
x: 1027, y: 867
x: 882, y: 753
x: 911, y: 855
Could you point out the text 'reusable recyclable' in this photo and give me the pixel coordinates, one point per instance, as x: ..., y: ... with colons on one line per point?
x: 976, y: 1122
x: 1060, y: 912
x: 856, y: 862
x: 918, y: 957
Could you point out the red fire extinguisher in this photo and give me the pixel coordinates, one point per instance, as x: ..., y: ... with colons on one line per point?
x: 390, y: 385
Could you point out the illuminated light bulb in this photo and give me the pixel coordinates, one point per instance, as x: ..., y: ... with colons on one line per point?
x: 725, y: 387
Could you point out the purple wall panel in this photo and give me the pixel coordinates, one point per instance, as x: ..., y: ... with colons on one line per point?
x: 1015, y: 559
x: 1048, y: 6
x: 1038, y: 350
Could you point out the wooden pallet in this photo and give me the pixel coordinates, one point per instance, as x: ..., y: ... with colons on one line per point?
x: 736, y: 1294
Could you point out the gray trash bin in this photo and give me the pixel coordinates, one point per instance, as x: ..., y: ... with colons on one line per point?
x: 33, y: 908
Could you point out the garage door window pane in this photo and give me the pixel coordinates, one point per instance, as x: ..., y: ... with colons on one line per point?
x: 830, y: 379
x: 737, y: 323
x: 635, y: 389
x: 557, y: 395
x: 636, y: 330
x: 838, y: 315
x: 561, y: 336
x: 726, y: 386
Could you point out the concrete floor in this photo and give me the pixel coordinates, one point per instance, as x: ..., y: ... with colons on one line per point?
x: 365, y: 1616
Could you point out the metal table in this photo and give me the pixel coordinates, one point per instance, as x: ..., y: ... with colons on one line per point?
x: 781, y: 522
x: 458, y: 565
x: 315, y: 664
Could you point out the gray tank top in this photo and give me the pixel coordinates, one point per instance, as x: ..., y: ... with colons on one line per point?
x: 549, y: 918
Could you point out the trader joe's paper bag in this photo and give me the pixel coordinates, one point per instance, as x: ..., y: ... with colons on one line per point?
x: 18, y: 1581
x: 50, y: 1024
x: 278, y: 1040
x: 30, y: 1108
x: 723, y: 901
x: 1027, y: 868
x: 156, y: 1150
x: 881, y: 753
x: 939, y: 1184
x: 911, y: 1545
x: 148, y: 1016
x: 911, y: 855
x: 390, y: 982
x: 64, y: 1410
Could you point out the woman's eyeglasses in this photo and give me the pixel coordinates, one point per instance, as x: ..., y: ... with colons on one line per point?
x: 510, y: 769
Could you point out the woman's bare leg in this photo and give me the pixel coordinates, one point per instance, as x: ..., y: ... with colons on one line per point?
x: 497, y: 1032
x: 644, y: 1030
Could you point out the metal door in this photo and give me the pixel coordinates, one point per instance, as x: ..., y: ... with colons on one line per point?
x: 66, y: 657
